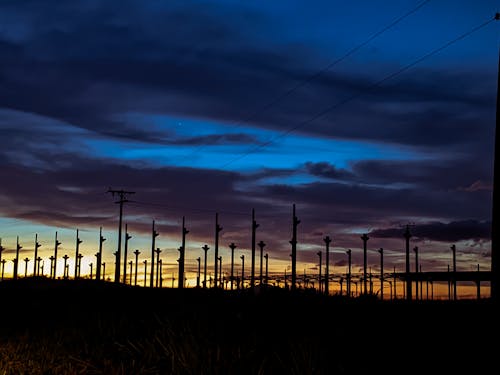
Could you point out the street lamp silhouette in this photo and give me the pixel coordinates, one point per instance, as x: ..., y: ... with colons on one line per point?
x: 35, y: 256
x: 65, y: 257
x: 26, y: 260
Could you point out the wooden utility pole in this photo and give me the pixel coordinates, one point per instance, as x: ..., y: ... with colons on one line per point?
x: 349, y: 251
x: 56, y: 246
x: 154, y: 234
x: 182, y: 251
x: 407, y: 236
x: 136, y: 253
x: 205, y: 249
x: 218, y: 229
x: 365, y: 239
x: 261, y: 247
x: 454, y: 277
x: 35, y: 257
x: 267, y: 268
x: 252, y: 270
x: 242, y: 271
x: 16, y: 259
x: 99, y: 256
x: 77, y: 254
x: 327, y: 240
x: 198, y: 275
x: 121, y: 195
x: 381, y: 252
x: 125, y: 250
x: 232, y: 246
x: 415, y: 249
x: 293, y: 242
x: 320, y: 255
x: 65, y: 257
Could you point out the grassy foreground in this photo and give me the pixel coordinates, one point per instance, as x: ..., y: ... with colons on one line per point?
x: 85, y: 327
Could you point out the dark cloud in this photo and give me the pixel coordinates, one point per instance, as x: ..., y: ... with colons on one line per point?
x: 327, y: 170
x: 446, y: 232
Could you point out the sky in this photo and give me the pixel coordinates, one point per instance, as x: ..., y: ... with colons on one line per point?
x: 367, y: 115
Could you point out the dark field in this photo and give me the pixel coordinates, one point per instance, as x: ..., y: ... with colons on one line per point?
x: 85, y: 327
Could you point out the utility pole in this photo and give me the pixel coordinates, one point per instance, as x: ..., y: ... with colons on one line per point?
x: 77, y: 253
x: 267, y: 268
x: 415, y: 249
x: 293, y: 242
x: 99, y: 256
x: 327, y: 240
x: 407, y: 236
x: 125, y: 250
x: 56, y: 246
x: 145, y: 271
x: 365, y: 239
x: 65, y: 274
x: 182, y: 251
x: 242, y: 271
x: 154, y: 234
x: 37, y: 246
x: 454, y: 262
x: 2, y: 260
x: 157, y: 251
x: 254, y: 228
x: 381, y: 252
x: 218, y: 229
x: 136, y: 253
x: 349, y: 251
x: 205, y: 249
x: 261, y: 246
x: 198, y: 275
x: 320, y: 255
x: 121, y: 195
x: 232, y: 246
x: 495, y: 232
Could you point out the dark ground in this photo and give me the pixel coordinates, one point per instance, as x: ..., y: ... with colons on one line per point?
x: 87, y: 327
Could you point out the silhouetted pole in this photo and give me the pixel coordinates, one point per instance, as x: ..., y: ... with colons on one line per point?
x: 449, y: 283
x: 198, y: 276
x: 395, y: 286
x: 35, y: 256
x: 218, y: 229
x: 261, y: 247
x: 182, y: 251
x: 130, y: 272
x: 242, y: 271
x: 154, y: 234
x: 78, y: 241
x: 99, y: 256
x: 232, y: 246
x: 327, y: 240
x: 365, y: 239
x: 320, y: 255
x: 160, y: 262
x: 16, y: 259
x: 104, y: 271
x: 220, y: 270
x: 145, y: 271
x: 157, y: 251
x: 495, y: 232
x: 252, y: 270
x: 267, y: 268
x: 79, y: 263
x: 90, y: 265
x: 125, y: 251
x: 407, y: 236
x: 205, y: 249
x: 349, y: 251
x: 121, y: 194
x: 51, y: 258
x: 293, y: 242
x: 39, y: 259
x: 478, y: 285
x: 56, y: 246
x: 65, y: 257
x: 26, y: 260
x: 2, y: 260
x: 415, y: 249
x: 136, y: 253
x: 454, y: 252
x: 381, y: 252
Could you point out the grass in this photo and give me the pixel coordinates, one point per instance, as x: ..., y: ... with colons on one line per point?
x: 84, y: 327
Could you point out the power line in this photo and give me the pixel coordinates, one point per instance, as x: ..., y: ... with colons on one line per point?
x: 359, y: 94
x: 311, y: 77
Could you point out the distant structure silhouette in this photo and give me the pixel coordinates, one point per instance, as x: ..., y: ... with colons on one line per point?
x: 415, y: 249
x: 198, y: 274
x: 365, y: 239
x: 454, y: 278
x: 327, y: 241
x: 242, y: 271
x: 267, y: 267
x: 65, y: 257
x: 26, y: 260
x: 261, y: 245
x: 349, y: 279
x: 407, y: 236
x: 99, y: 256
x: 16, y: 259
x: 381, y: 252
x: 2, y: 260
x: 54, y: 263
x: 145, y: 271
x: 3, y: 267
x: 157, y: 251
x: 320, y: 255
x: 136, y: 253
x: 182, y: 251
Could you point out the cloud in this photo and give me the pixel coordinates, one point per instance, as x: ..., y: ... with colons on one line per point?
x: 446, y: 232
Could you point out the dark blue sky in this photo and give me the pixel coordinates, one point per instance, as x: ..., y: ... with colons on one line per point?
x: 224, y: 106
